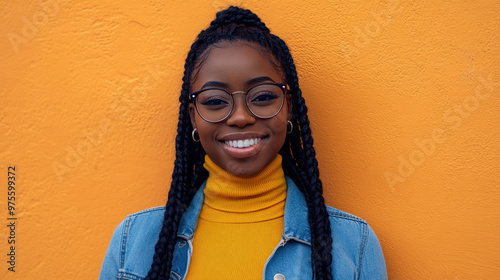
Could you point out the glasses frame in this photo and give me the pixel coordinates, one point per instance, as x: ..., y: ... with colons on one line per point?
x: 284, y: 88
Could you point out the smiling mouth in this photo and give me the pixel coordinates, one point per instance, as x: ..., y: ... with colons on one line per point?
x: 243, y: 143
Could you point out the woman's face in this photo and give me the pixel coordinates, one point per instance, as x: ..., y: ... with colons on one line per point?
x: 237, y: 66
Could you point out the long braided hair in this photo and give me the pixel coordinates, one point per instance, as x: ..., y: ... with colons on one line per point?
x: 299, y: 156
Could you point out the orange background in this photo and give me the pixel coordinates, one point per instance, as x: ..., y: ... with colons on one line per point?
x: 403, y: 98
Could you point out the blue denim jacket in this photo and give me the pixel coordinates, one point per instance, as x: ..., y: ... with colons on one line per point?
x: 356, y: 250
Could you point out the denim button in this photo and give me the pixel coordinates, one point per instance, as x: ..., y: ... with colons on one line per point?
x: 181, y: 243
x: 279, y: 276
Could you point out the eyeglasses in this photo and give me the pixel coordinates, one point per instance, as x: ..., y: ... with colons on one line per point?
x: 263, y: 101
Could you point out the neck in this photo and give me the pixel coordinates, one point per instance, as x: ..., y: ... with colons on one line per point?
x: 236, y: 199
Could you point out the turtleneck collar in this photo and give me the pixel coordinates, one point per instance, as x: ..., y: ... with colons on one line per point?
x: 232, y: 199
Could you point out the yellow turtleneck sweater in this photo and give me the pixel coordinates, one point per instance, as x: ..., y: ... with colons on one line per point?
x: 240, y: 223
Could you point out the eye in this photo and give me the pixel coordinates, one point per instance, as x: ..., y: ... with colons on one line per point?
x: 214, y: 99
x: 264, y: 96
x: 214, y: 102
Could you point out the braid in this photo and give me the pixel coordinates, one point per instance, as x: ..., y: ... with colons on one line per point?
x: 299, y: 156
x: 305, y: 169
x: 234, y: 15
x: 187, y: 176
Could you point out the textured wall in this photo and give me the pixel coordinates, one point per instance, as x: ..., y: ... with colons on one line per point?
x: 403, y: 97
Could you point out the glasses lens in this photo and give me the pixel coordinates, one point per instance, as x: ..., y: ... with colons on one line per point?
x: 265, y: 101
x: 214, y: 104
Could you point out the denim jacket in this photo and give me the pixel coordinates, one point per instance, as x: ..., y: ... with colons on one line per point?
x: 356, y: 250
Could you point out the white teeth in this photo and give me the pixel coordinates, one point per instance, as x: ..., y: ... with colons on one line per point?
x: 243, y: 143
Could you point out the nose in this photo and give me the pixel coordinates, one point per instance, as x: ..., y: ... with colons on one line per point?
x: 240, y: 116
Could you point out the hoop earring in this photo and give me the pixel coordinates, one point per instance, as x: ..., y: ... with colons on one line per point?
x: 291, y: 127
x: 194, y: 138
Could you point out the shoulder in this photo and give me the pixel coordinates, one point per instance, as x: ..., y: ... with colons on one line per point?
x: 144, y: 222
x: 335, y: 213
x: 147, y: 215
x: 147, y: 212
x: 131, y: 249
x: 141, y: 229
x: 354, y: 239
x: 348, y: 231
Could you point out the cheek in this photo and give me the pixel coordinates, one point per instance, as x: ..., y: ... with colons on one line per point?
x: 204, y: 130
x: 206, y: 143
x: 278, y: 124
x: 206, y: 134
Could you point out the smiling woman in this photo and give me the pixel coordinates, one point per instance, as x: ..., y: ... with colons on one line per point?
x: 237, y: 66
x: 246, y: 198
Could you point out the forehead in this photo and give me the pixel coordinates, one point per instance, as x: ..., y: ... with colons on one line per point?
x: 235, y: 63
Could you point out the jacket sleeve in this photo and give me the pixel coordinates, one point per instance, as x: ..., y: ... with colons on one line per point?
x: 111, y: 263
x: 372, y: 262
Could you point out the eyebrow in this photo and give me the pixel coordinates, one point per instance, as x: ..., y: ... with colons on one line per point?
x: 248, y: 83
x: 259, y: 80
x: 214, y: 84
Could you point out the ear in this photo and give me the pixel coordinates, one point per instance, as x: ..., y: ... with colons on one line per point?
x: 192, y: 112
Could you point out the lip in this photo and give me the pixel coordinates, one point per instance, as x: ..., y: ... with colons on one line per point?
x: 242, y: 136
x: 241, y: 153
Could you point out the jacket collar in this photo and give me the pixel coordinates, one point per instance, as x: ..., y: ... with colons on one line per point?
x: 296, y: 225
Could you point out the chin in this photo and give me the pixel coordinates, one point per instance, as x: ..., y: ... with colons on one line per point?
x: 242, y: 169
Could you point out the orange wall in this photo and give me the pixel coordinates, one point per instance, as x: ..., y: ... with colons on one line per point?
x: 404, y: 103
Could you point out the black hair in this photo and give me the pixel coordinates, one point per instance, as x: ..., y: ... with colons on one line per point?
x: 299, y: 157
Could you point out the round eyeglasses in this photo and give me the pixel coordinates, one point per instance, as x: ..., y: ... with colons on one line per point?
x: 263, y: 101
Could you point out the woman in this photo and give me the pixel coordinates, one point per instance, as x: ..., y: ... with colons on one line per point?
x: 245, y: 200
